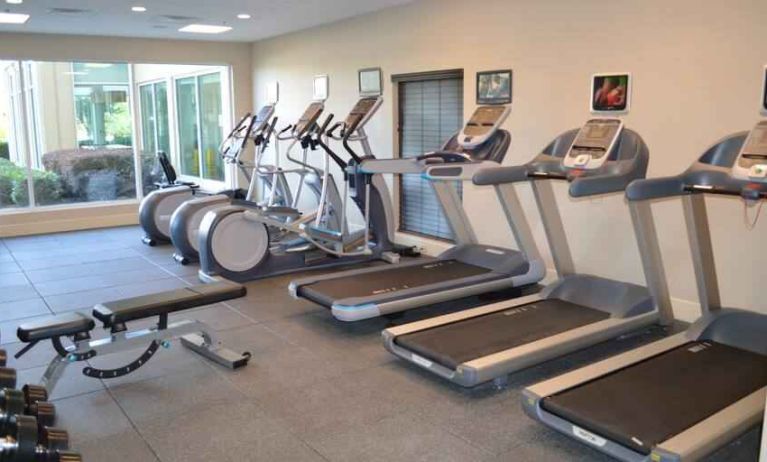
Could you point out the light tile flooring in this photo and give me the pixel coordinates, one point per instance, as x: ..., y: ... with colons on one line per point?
x: 316, y: 389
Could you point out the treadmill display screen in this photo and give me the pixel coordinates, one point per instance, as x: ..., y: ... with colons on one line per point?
x: 483, y: 120
x: 754, y: 151
x: 596, y: 137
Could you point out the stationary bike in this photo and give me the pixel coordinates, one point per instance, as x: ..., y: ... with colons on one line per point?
x: 247, y: 241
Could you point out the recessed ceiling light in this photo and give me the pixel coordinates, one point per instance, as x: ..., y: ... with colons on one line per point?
x: 138, y: 9
x: 243, y: 16
x: 205, y: 29
x: 98, y: 65
x: 14, y: 2
x: 13, y: 18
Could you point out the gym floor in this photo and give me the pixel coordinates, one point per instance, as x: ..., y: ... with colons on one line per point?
x: 316, y: 389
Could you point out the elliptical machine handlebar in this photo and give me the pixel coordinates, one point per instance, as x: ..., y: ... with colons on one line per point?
x: 280, y: 136
x: 347, y: 133
x: 225, y: 149
x: 325, y: 124
x: 265, y: 136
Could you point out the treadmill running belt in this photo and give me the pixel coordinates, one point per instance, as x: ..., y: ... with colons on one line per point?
x: 461, y: 341
x: 392, y: 279
x: 647, y: 403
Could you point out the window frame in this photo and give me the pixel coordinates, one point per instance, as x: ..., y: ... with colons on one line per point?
x: 226, y: 104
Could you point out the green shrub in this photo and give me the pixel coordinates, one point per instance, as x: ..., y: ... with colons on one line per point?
x: 5, y: 152
x: 13, y: 185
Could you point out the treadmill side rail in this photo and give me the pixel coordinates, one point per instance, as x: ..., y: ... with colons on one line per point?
x: 714, y: 432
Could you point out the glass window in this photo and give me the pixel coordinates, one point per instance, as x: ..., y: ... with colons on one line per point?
x: 66, y: 128
x: 79, y: 132
x: 161, y: 115
x: 14, y: 174
x: 148, y: 120
x: 211, y: 127
x: 188, y: 134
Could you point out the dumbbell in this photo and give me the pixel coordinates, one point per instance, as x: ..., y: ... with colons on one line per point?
x: 26, y: 444
x: 30, y: 400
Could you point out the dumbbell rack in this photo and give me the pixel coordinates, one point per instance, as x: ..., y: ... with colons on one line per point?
x: 26, y: 423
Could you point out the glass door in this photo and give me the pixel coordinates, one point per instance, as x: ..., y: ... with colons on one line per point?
x: 211, y: 128
x: 14, y: 170
x: 188, y: 126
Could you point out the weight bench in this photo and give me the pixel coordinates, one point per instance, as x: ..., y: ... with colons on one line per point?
x: 114, y: 316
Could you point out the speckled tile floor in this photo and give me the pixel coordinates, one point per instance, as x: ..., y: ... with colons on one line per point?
x: 316, y: 389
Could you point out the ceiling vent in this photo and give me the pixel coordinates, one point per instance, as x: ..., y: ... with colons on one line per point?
x: 69, y: 11
x: 178, y: 18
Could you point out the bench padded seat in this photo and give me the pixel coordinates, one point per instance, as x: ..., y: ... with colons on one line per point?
x: 146, y: 306
x: 55, y: 326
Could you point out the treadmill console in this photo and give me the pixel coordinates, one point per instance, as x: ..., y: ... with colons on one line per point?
x: 308, y: 119
x: 364, y: 109
x: 751, y: 164
x: 482, y: 124
x: 593, y: 144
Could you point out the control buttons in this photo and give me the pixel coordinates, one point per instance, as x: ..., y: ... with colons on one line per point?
x: 582, y: 160
x: 758, y: 171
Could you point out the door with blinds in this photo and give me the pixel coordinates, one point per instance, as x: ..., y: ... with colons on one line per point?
x: 430, y: 112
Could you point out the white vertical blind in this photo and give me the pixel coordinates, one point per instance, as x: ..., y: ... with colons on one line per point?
x: 431, y: 111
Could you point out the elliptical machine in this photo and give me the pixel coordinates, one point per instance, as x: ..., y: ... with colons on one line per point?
x: 185, y: 221
x: 281, y: 240
x: 157, y: 208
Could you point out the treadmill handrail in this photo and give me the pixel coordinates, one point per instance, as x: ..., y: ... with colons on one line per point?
x: 612, y: 178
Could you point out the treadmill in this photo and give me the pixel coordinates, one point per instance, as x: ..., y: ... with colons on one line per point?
x: 469, y: 268
x: 577, y: 310
x: 683, y: 397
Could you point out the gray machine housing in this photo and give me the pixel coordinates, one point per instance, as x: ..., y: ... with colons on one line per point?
x: 712, y: 173
x: 629, y: 306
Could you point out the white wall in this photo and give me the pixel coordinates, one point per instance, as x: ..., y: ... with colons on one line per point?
x: 62, y: 48
x: 697, y: 70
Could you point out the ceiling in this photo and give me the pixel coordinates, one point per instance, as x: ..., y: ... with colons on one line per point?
x: 163, y: 18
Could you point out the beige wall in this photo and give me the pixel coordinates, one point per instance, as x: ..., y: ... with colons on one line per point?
x: 42, y: 47
x: 697, y: 70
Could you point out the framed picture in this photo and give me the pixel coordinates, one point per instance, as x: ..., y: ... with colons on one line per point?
x: 610, y: 92
x: 764, y: 92
x: 494, y: 87
x: 370, y: 81
x: 273, y: 92
x: 320, y: 92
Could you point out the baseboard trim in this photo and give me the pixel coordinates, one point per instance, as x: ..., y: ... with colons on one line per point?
x: 56, y: 221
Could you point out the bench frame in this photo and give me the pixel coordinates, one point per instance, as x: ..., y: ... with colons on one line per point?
x: 195, y: 335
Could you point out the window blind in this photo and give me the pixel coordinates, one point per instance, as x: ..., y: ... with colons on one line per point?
x: 430, y: 112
